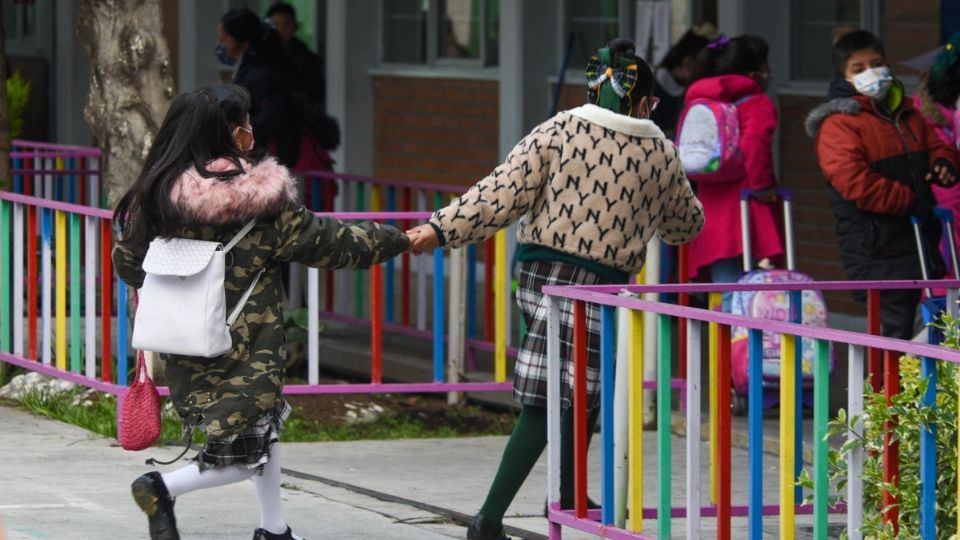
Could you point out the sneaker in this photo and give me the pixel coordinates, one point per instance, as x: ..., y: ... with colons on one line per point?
x: 152, y: 497
x: 481, y: 529
x: 262, y: 534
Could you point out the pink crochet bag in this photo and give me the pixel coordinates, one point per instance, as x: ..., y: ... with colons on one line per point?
x: 140, y: 420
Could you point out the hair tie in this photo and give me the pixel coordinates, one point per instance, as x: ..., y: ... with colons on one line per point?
x: 609, y: 83
x: 719, y: 43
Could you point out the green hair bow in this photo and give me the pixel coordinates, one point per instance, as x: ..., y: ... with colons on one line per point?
x: 609, y: 85
x: 946, y: 57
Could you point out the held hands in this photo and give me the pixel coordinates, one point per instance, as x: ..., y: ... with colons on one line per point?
x: 423, y: 239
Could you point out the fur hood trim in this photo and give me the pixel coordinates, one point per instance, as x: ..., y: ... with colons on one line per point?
x: 840, y: 105
x: 618, y: 122
x: 261, y: 190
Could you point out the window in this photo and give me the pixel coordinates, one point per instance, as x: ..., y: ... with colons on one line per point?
x: 908, y: 29
x: 817, y: 24
x: 20, y: 22
x: 591, y: 24
x: 466, y: 32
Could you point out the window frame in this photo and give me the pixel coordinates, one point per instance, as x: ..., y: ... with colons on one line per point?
x: 433, y: 58
x: 871, y: 18
x: 626, y: 15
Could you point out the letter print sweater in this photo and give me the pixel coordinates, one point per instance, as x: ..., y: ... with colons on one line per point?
x: 588, y: 184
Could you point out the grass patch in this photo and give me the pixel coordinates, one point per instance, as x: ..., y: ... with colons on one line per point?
x: 419, y: 418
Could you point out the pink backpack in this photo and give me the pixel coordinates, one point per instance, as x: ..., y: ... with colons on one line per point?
x: 708, y: 140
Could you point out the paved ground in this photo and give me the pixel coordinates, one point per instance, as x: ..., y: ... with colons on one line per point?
x: 61, y: 482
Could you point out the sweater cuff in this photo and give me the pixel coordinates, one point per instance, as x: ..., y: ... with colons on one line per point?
x: 440, y: 237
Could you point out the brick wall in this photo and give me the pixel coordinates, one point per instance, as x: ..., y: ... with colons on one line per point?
x: 435, y: 130
x: 814, y: 233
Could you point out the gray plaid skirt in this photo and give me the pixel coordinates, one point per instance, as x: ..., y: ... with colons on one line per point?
x: 530, y: 373
x: 250, y: 447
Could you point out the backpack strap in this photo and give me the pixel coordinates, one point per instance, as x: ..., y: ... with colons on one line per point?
x: 243, y: 299
x: 237, y: 309
x: 243, y: 232
x: 741, y: 100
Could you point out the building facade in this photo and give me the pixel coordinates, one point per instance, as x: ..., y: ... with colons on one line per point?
x: 440, y: 90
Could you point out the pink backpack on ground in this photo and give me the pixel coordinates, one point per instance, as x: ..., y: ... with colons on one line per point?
x: 773, y: 306
x: 708, y: 141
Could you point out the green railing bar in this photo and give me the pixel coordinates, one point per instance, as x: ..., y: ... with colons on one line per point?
x: 76, y: 342
x: 821, y: 411
x: 6, y: 233
x: 664, y: 415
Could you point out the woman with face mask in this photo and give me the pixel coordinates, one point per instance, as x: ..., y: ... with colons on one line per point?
x: 263, y: 68
x: 879, y: 157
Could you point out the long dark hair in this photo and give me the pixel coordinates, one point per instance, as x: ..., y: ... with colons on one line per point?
x: 197, y: 129
x: 737, y: 56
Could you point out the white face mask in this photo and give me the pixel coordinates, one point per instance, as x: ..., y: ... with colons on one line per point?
x: 874, y: 82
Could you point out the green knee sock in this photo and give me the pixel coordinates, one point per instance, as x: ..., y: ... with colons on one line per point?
x: 523, y: 449
x: 566, y: 453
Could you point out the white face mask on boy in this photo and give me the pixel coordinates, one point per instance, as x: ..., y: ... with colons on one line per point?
x: 873, y: 82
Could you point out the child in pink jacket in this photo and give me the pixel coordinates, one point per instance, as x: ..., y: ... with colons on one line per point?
x: 736, y: 71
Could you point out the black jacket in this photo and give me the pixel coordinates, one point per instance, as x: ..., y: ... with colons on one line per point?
x: 273, y: 114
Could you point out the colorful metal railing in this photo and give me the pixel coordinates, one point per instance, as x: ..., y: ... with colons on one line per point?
x: 865, y: 351
x: 57, y: 172
x: 64, y: 313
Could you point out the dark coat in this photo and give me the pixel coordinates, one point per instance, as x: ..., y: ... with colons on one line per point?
x: 229, y: 393
x: 276, y: 122
x: 875, y: 163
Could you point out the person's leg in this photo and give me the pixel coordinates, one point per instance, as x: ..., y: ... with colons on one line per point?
x: 726, y: 271
x: 566, y: 454
x: 523, y: 449
x: 189, y: 478
x: 898, y: 311
x: 268, y: 494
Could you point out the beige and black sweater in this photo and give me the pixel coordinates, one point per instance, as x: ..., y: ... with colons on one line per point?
x: 588, y: 184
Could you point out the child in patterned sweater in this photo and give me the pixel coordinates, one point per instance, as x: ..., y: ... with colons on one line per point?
x: 588, y: 188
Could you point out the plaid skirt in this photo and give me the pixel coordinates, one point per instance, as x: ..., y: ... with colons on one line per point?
x: 250, y: 447
x: 530, y: 373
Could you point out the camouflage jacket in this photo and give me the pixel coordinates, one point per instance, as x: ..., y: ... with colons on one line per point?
x: 229, y: 393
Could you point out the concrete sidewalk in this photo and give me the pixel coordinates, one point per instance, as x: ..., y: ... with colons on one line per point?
x: 62, y: 482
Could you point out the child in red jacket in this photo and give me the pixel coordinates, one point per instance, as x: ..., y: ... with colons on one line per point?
x: 879, y: 157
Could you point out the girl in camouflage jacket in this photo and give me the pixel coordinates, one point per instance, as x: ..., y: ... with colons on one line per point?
x: 201, y: 181
x: 588, y: 188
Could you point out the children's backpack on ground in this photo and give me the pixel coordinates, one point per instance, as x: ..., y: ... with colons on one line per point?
x: 773, y: 306
x: 182, y: 307
x: 708, y: 141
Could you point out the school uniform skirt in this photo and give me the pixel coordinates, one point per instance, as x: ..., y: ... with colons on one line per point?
x: 250, y: 447
x: 530, y: 373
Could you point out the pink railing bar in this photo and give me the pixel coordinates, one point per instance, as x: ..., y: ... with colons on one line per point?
x: 425, y: 186
x: 54, y: 146
x: 56, y: 205
x: 588, y: 294
x: 52, y: 371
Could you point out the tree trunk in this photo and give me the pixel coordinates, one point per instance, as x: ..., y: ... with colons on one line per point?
x: 5, y: 179
x: 130, y: 84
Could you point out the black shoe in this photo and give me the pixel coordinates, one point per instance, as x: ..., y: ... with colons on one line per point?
x: 152, y: 497
x: 261, y: 534
x: 481, y: 529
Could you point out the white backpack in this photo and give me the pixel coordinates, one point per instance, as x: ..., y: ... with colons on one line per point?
x: 182, y: 304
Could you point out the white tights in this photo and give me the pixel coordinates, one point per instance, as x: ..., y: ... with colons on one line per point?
x: 267, y: 484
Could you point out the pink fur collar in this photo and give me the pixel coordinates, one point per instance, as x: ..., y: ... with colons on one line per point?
x: 263, y: 189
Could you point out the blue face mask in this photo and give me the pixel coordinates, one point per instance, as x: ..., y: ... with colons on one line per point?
x: 221, y: 52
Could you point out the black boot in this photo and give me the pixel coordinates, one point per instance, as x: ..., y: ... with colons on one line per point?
x: 152, y: 497
x: 261, y: 534
x: 481, y: 529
